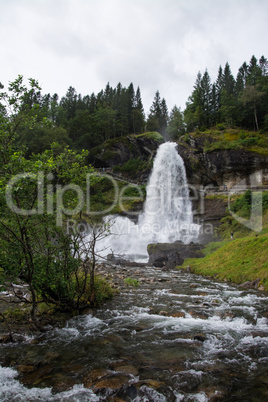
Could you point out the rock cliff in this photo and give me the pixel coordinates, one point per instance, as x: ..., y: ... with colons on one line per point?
x: 218, y: 167
x: 117, y: 152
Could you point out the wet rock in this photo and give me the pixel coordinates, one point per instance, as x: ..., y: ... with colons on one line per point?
x: 200, y: 337
x: 164, y: 313
x: 251, y: 284
x: 187, y: 382
x: 196, y: 314
x: 95, y: 376
x: 62, y: 383
x: 172, y: 254
x: 150, y: 383
x: 163, y: 393
x: 112, y: 383
x: 6, y: 338
x: 128, y: 394
x: 180, y: 314
x: 37, y: 376
x: 188, y: 270
x: 127, y: 369
x: 23, y: 368
x: 213, y: 394
x: 49, y: 356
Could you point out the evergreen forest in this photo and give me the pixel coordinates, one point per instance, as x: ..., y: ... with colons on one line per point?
x: 83, y: 122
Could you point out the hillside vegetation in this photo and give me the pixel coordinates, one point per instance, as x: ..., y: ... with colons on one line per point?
x: 222, y: 137
x: 239, y: 260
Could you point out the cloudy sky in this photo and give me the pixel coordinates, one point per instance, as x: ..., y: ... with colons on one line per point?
x: 156, y: 44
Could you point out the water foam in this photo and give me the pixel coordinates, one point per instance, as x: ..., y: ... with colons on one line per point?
x: 12, y: 390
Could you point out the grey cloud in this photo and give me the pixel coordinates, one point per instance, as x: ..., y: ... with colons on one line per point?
x: 156, y: 44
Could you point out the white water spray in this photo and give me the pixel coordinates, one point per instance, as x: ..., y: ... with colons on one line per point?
x: 167, y: 215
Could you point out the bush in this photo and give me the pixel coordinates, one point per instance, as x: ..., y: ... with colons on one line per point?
x: 131, y: 282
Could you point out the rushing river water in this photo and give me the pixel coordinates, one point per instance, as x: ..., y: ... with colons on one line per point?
x: 175, y: 337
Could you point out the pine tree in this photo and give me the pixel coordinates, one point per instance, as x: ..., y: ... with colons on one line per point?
x: 158, y: 116
x: 138, y: 113
x: 227, y: 98
x: 176, y: 126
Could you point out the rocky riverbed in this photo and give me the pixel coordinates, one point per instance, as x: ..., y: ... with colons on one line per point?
x: 174, y: 337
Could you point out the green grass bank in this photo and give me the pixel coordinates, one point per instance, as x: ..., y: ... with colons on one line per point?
x: 238, y: 261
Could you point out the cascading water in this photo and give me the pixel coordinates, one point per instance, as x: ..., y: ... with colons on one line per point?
x: 167, y: 215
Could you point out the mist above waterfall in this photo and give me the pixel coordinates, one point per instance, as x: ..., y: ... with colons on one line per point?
x: 167, y: 214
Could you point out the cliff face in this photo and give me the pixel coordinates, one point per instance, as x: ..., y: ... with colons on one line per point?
x: 218, y: 167
x: 215, y: 167
x: 120, y: 150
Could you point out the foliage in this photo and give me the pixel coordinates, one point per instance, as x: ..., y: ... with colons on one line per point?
x: 158, y: 116
x: 219, y: 138
x: 131, y: 282
x: 36, y: 197
x: 240, y: 102
x: 84, y: 122
x: 238, y: 261
x: 242, y: 259
x: 133, y: 165
x: 154, y: 135
x: 242, y: 206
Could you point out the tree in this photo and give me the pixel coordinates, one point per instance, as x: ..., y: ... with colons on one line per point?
x: 69, y: 102
x: 138, y: 113
x: 227, y: 97
x: 176, y: 126
x: 158, y: 116
x: 35, y: 198
x: 252, y: 96
x: 199, y: 105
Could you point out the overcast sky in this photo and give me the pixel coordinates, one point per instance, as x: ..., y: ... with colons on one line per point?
x: 156, y: 44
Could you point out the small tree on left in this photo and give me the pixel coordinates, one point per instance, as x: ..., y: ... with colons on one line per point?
x: 34, y: 246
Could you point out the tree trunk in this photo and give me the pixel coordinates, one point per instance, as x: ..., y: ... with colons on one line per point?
x: 256, y: 119
x: 33, y: 310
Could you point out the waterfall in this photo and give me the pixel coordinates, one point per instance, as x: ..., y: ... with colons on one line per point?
x: 167, y: 214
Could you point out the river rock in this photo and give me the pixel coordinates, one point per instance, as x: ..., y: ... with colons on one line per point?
x: 127, y: 369
x: 170, y: 255
x: 111, y: 385
x: 96, y: 375
x: 200, y: 338
x: 251, y: 284
x: 23, y: 368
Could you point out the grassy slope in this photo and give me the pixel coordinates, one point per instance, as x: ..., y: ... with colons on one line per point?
x: 240, y: 260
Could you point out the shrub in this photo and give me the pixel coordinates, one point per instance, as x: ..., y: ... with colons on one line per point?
x: 131, y: 282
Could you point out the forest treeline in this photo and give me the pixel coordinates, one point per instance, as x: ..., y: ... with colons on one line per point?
x: 83, y: 122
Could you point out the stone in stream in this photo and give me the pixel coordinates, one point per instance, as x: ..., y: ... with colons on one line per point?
x: 169, y: 255
x: 200, y: 338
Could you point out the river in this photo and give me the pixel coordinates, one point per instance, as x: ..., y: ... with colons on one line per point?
x: 175, y: 337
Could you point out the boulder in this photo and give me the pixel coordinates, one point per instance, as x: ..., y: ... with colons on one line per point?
x: 169, y: 255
